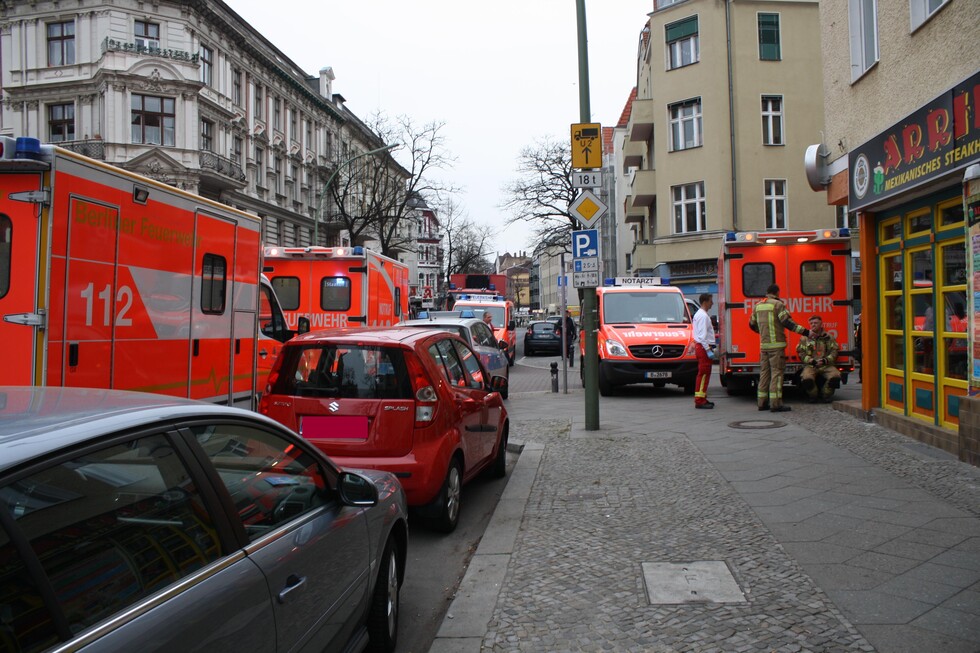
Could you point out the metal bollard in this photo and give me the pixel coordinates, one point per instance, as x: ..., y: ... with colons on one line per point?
x: 554, y: 377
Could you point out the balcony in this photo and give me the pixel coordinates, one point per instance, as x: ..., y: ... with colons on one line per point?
x: 94, y: 148
x: 634, y: 214
x: 633, y: 154
x: 641, y: 120
x: 644, y: 255
x: 220, y: 171
x: 643, y: 189
x: 430, y: 236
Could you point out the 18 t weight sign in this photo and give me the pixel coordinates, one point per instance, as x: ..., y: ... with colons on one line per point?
x: 587, y: 179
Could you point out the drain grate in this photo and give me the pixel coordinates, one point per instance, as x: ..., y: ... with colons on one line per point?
x: 757, y: 424
x: 702, y: 581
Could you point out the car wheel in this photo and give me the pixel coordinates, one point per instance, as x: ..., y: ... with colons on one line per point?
x: 448, y: 499
x: 382, y: 624
x: 499, y: 467
x: 605, y: 387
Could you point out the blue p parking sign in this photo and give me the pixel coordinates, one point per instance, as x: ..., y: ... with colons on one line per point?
x: 585, y: 243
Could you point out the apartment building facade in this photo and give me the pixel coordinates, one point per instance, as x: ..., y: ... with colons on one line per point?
x: 726, y: 102
x: 188, y: 93
x: 901, y: 86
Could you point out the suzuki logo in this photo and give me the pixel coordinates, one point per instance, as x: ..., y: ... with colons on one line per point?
x: 333, y: 406
x: 657, y: 351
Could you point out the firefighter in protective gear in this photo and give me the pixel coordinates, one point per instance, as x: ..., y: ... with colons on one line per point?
x: 770, y: 319
x: 818, y: 354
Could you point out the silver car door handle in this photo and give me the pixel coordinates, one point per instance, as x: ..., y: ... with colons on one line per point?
x: 293, y: 583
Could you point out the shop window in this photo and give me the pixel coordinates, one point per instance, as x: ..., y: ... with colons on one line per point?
x: 954, y: 263
x: 920, y: 222
x: 925, y: 312
x: 891, y: 230
x: 895, y: 352
x: 287, y: 290
x: 756, y: 278
x: 951, y: 214
x: 817, y: 277
x: 894, y: 312
x: 335, y: 293
x: 955, y: 359
x: 920, y: 263
x: 954, y: 311
x: 892, y: 272
x: 922, y: 350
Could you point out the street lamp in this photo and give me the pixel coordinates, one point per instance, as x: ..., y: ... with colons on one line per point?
x: 326, y: 187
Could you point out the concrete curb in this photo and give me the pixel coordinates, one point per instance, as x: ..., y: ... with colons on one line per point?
x: 465, y: 624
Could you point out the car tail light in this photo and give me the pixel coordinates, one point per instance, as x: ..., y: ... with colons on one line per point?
x: 426, y: 397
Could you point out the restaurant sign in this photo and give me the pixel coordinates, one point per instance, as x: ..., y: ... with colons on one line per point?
x: 938, y: 138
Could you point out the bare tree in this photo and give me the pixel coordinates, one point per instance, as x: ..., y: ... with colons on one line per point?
x: 466, y: 244
x: 373, y: 197
x: 542, y: 193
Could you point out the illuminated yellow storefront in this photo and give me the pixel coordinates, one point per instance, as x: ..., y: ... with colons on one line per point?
x: 922, y: 307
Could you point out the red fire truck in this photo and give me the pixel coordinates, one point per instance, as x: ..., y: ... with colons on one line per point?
x: 813, y: 272
x: 112, y: 280
x: 337, y: 286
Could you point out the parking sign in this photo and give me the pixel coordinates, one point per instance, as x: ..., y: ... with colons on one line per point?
x: 585, y: 243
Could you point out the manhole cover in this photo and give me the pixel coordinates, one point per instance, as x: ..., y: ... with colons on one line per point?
x: 757, y: 424
x: 702, y: 581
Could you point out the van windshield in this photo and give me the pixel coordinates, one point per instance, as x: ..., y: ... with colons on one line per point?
x: 344, y: 370
x: 643, y: 307
x: 496, y: 312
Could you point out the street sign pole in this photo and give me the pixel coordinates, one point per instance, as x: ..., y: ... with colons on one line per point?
x: 590, y: 367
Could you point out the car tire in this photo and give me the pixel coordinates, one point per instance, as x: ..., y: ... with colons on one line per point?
x: 499, y: 467
x: 606, y: 389
x: 382, y: 622
x: 448, y: 500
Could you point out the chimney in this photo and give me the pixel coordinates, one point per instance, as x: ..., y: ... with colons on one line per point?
x: 326, y: 82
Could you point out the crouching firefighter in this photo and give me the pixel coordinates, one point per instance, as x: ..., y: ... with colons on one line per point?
x: 818, y: 353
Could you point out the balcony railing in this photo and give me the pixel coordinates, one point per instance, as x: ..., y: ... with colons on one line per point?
x: 94, y: 148
x: 226, y: 167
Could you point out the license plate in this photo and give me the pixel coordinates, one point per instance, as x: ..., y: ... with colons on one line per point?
x: 336, y: 427
x: 656, y: 375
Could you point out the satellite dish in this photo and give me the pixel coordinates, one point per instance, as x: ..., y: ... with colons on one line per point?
x: 815, y: 167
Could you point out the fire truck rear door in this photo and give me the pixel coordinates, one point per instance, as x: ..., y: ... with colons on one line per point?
x: 20, y: 246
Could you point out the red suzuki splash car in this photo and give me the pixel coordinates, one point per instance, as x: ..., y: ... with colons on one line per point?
x: 414, y: 402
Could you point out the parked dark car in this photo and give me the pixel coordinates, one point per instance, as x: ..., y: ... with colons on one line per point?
x: 542, y: 337
x: 136, y: 522
x: 414, y: 402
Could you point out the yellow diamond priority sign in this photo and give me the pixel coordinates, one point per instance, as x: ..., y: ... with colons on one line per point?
x: 587, y: 208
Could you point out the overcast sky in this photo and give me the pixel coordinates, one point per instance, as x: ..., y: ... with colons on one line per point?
x: 500, y: 74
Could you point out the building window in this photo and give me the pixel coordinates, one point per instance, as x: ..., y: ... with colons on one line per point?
x: 61, y: 123
x: 207, y: 136
x: 61, y: 43
x: 259, y: 101
x: 846, y: 220
x: 685, y: 125
x: 146, y: 35
x: 923, y: 10
x: 207, y: 65
x: 309, y: 134
x: 683, y: 47
x: 775, y: 203
x: 236, y: 87
x: 769, y: 37
x: 260, y: 166
x: 277, y: 167
x: 236, y: 150
x: 277, y: 114
x: 772, y: 120
x: 293, y: 134
x: 689, y: 209
x: 863, y: 26
x: 153, y: 120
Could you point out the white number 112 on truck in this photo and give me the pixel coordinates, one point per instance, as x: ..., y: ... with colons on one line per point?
x: 112, y: 280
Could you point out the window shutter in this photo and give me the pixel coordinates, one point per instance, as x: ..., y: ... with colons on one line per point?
x: 682, y: 29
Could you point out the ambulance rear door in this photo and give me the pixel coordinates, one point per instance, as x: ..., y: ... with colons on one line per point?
x: 23, y: 235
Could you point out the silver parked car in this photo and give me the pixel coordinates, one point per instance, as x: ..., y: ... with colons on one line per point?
x: 476, y: 333
x: 136, y: 522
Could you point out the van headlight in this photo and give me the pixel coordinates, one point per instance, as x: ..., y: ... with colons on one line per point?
x: 614, y: 348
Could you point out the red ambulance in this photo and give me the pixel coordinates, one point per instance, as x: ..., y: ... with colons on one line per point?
x: 813, y: 272
x: 337, y: 286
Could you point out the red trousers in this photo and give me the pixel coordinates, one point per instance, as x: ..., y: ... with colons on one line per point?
x: 704, y: 374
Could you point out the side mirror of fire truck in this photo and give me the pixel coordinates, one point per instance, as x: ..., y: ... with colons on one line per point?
x: 303, y: 325
x: 512, y: 325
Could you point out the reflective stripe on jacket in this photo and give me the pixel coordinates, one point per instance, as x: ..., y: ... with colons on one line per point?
x: 769, y: 319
